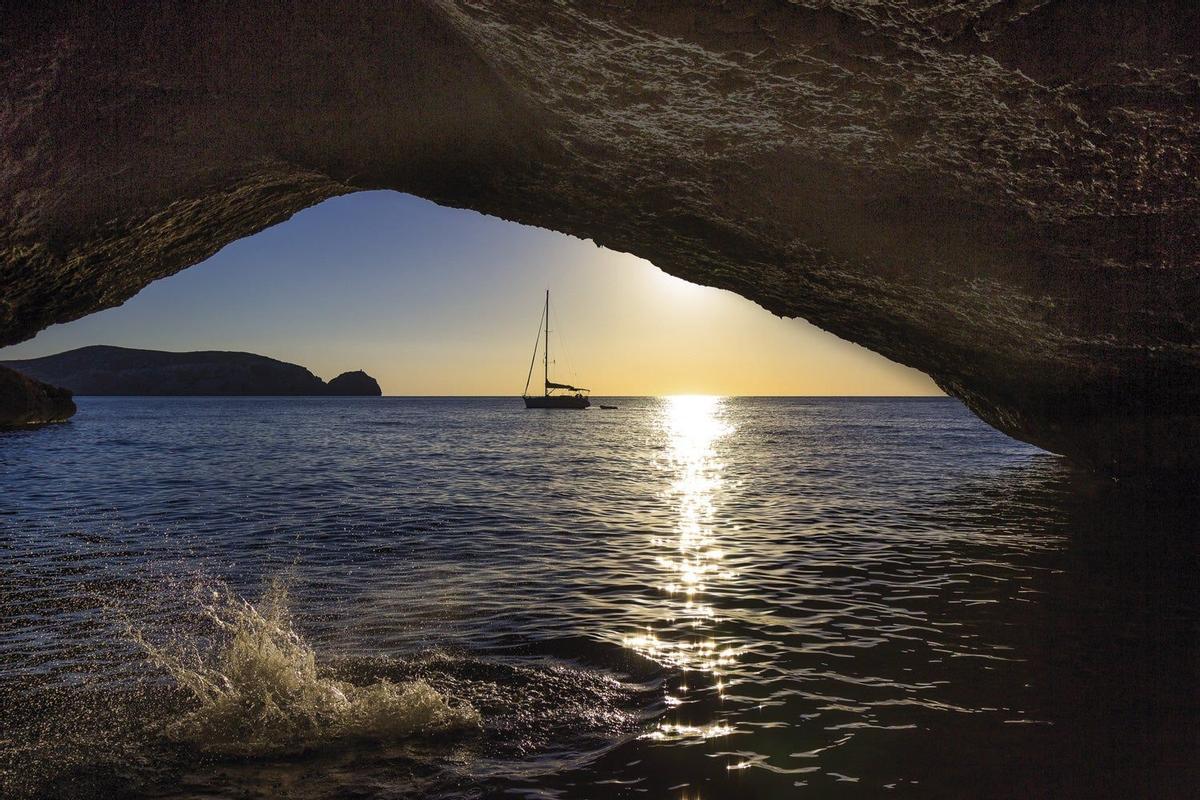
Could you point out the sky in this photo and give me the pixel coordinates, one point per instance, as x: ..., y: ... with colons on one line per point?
x: 440, y: 301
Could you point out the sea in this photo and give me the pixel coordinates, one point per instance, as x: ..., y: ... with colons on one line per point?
x: 683, y: 597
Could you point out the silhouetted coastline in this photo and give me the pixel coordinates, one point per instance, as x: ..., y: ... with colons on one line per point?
x: 107, y: 370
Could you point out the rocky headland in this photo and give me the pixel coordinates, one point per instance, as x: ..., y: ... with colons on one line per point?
x: 105, y: 370
x: 25, y: 401
x: 1002, y: 194
x: 353, y: 383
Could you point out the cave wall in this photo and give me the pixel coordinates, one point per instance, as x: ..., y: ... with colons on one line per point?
x: 1001, y: 193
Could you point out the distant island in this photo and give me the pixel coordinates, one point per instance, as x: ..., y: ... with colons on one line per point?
x: 106, y: 370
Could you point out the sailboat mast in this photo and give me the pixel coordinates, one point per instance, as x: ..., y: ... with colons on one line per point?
x: 546, y: 352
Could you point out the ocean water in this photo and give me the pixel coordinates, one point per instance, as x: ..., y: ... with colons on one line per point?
x: 683, y: 598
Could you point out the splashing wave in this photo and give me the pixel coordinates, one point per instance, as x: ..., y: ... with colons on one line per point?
x: 257, y: 688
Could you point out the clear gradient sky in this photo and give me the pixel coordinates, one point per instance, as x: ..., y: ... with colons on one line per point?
x: 438, y: 301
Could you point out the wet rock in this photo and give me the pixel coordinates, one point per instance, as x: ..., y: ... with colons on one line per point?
x: 354, y: 383
x: 24, y: 401
x: 1001, y: 194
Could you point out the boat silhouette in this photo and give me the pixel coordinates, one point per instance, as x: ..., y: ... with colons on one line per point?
x: 548, y: 399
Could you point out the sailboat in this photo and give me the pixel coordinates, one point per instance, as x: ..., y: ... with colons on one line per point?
x: 548, y: 399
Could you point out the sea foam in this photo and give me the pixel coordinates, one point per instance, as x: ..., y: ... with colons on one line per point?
x: 257, y: 689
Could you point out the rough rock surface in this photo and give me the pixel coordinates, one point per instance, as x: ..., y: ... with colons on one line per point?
x: 24, y: 401
x: 105, y: 370
x: 1002, y: 193
x: 355, y: 383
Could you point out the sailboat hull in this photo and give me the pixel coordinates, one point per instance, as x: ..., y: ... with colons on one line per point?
x: 556, y: 401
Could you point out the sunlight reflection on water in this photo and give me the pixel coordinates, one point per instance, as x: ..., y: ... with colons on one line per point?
x: 690, y: 564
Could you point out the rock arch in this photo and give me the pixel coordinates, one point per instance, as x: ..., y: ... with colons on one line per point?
x: 1002, y: 195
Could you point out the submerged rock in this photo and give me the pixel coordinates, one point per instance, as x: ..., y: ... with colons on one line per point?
x: 106, y: 370
x: 354, y: 383
x: 1001, y: 194
x: 24, y: 401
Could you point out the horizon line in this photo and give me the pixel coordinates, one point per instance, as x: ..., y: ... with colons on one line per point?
x: 517, y: 396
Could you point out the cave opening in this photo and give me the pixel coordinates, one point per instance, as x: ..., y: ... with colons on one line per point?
x: 438, y: 301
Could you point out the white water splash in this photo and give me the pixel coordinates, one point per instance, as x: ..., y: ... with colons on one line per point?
x: 258, y: 689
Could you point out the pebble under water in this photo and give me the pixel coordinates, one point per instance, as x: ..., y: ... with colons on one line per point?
x: 686, y: 597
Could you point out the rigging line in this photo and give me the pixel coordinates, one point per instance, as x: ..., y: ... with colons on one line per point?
x: 533, y: 358
x: 562, y: 344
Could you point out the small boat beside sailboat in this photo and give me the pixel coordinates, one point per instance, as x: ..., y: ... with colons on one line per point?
x: 555, y: 395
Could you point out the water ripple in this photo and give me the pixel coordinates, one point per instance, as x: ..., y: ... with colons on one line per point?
x: 686, y: 597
